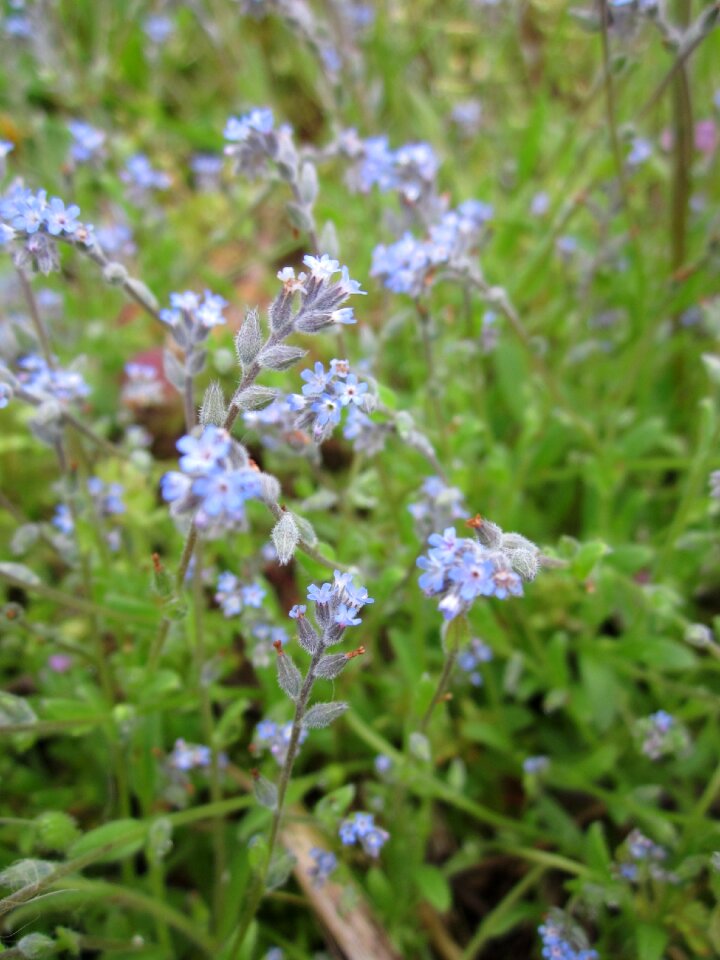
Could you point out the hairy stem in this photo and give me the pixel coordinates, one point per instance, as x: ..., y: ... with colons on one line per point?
x: 257, y: 889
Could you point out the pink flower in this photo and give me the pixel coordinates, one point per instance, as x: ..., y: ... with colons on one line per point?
x: 706, y: 137
x: 60, y: 662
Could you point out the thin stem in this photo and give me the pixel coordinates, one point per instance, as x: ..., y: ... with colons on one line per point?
x: 610, y: 108
x: 189, y: 402
x: 441, y: 688
x: 206, y: 715
x: 38, y: 323
x: 491, y: 921
x: 257, y: 889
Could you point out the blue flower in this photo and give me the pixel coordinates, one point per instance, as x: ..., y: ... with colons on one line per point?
x: 297, y: 611
x: 260, y: 120
x: 59, y: 220
x: 344, y: 616
x: 203, y: 454
x: 322, y: 268
x: 564, y: 940
x: 362, y: 827
x: 350, y: 391
x: 327, y: 410
x: 325, y: 864
x: 316, y: 380
x: 473, y: 576
x: 174, y: 486
x: 323, y: 594
x: 30, y: 212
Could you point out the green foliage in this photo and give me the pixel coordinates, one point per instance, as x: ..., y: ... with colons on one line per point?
x: 590, y: 425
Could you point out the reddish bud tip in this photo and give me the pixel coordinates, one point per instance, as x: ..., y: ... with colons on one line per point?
x: 255, y: 773
x: 278, y: 647
x: 475, y: 522
x: 355, y: 653
x: 157, y: 564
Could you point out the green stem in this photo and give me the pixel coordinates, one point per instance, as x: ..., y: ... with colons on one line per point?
x: 133, y: 900
x: 73, y: 602
x: 257, y: 888
x: 208, y: 727
x: 488, y: 929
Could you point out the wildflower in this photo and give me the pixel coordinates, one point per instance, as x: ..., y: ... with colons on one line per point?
x: 471, y: 656
x: 87, y: 142
x: 216, y: 481
x: 361, y: 827
x: 143, y: 386
x: 141, y: 177
x: 661, y: 735
x: 460, y: 570
x: 564, y: 940
x: 275, y: 738
x: 233, y: 596
x: 106, y: 497
x: 535, y: 765
x: 6, y: 394
x: 266, y: 637
x: 437, y: 506
x: 40, y: 380
x: 189, y: 756
x: 715, y: 484
x: 205, y: 453
x: 382, y: 764
x: 158, y: 28
x: 325, y: 864
x: 644, y: 858
x: 325, y: 395
x: 190, y: 318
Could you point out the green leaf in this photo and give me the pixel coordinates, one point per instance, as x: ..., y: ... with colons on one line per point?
x: 587, y: 557
x: 125, y: 836
x: 434, y: 887
x: 335, y: 804
x: 597, y: 854
x: 651, y: 941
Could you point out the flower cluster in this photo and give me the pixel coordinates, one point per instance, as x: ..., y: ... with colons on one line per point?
x: 253, y: 140
x: 141, y: 177
x: 534, y: 766
x: 33, y: 222
x: 191, y: 317
x: 643, y: 857
x: 326, y: 394
x: 266, y: 638
x: 337, y: 605
x: 460, y: 569
x: 661, y: 735
x: 361, y: 827
x: 470, y: 658
x: 106, y: 497
x: 564, y: 940
x: 143, y: 386
x: 438, y: 506
x: 207, y: 170
x: 189, y: 756
x: 233, y: 596
x: 40, y: 381
x: 715, y: 484
x: 325, y: 864
x: 407, y: 265
x: 276, y: 426
x: 215, y: 483
x: 275, y: 737
x: 321, y: 296
x: 88, y: 143
x: 410, y: 170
